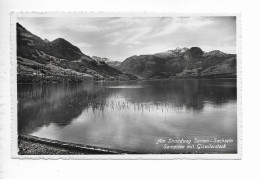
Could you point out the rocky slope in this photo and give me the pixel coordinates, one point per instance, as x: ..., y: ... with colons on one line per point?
x: 182, y: 63
x: 114, y: 64
x: 42, y: 61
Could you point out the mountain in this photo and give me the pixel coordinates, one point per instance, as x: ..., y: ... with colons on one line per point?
x: 109, y: 62
x: 58, y: 61
x: 172, y: 53
x: 181, y: 63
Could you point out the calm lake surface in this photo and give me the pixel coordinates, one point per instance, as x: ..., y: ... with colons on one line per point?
x: 131, y: 115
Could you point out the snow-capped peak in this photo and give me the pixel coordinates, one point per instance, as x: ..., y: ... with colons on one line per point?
x: 181, y: 50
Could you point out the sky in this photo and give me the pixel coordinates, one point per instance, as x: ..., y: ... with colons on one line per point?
x: 118, y: 38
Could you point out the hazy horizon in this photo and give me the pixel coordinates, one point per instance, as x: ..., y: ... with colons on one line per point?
x: 118, y: 38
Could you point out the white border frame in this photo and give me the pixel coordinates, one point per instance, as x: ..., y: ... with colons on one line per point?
x: 14, y: 131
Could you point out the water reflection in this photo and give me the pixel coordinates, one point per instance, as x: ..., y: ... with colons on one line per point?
x: 40, y: 105
x: 128, y: 115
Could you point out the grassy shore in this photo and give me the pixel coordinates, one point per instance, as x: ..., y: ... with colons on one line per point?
x: 31, y: 145
x: 27, y: 147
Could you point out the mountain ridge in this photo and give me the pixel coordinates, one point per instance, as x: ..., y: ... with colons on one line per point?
x: 109, y: 62
x: 182, y: 63
x: 44, y: 61
x: 60, y: 61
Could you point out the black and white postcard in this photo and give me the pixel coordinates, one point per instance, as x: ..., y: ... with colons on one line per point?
x: 126, y: 86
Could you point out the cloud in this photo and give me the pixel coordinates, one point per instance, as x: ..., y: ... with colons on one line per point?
x: 84, y: 45
x: 118, y: 38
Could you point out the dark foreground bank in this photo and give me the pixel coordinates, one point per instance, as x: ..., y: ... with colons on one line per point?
x: 31, y: 145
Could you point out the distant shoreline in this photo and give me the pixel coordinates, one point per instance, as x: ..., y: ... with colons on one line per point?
x: 174, y: 78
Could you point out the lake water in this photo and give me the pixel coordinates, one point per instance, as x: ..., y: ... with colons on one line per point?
x: 131, y: 116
